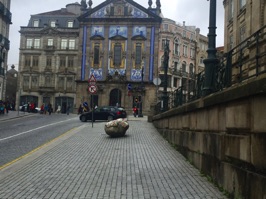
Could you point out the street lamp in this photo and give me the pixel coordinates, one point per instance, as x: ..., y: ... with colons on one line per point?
x: 211, y: 61
x: 165, y: 65
x: 141, y: 90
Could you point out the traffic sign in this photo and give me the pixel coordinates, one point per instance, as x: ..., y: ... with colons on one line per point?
x: 92, y: 89
x: 129, y: 87
x: 157, y: 81
x: 92, y: 80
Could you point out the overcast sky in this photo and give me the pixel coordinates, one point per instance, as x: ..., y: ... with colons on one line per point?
x: 193, y: 12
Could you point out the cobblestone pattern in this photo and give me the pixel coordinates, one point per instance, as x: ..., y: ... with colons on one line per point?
x: 91, y: 165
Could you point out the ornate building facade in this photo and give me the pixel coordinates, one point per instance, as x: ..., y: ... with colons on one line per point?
x: 187, y: 52
x: 48, y: 58
x: 115, y: 43
x: 119, y: 42
x: 5, y: 21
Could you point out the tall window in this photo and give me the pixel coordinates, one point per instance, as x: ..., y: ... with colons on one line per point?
x: 192, y: 52
x: 175, y: 82
x: 184, y: 66
x: 184, y: 33
x: 185, y: 50
x: 138, y: 54
x: 242, y: 3
x: 49, y: 61
x: 176, y: 47
x: 36, y: 43
x: 231, y: 9
x: 34, y: 82
x: 231, y: 42
x: 175, y: 67
x: 117, y: 54
x: 192, y: 36
x: 70, y: 63
x: 27, y: 61
x: 29, y: 43
x: 61, y: 82
x: 165, y: 27
x: 62, y: 61
x: 191, y: 69
x: 96, y: 57
x: 164, y: 41
x: 63, y: 43
x: 50, y: 42
x: 69, y: 83
x: 26, y: 80
x: 71, y: 44
x: 35, y: 61
x: 242, y: 33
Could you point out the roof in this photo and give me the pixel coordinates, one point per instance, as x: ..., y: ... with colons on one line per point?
x: 60, y: 16
x: 134, y: 12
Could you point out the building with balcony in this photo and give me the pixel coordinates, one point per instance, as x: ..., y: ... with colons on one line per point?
x: 5, y: 21
x: 187, y: 51
x: 48, y: 59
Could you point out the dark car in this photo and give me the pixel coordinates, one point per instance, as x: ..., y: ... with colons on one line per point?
x: 107, y: 113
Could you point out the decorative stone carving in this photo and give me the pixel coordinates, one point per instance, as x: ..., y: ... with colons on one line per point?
x: 116, y: 128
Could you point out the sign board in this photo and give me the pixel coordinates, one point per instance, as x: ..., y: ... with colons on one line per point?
x: 157, y: 81
x: 129, y: 87
x: 92, y: 89
x: 92, y: 80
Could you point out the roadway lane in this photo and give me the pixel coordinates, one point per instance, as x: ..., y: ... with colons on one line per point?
x: 22, y: 135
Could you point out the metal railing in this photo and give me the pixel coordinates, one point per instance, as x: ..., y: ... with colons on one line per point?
x: 245, y: 61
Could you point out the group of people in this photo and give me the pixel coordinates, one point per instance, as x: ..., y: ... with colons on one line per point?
x: 46, y: 108
x: 5, y: 106
x: 83, y: 108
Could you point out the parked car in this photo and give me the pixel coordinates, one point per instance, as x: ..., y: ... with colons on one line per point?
x: 24, y: 108
x: 107, y: 113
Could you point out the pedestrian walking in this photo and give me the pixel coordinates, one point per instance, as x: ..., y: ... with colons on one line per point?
x: 68, y: 109
x: 50, y: 108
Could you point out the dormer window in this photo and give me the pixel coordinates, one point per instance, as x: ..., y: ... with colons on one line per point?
x: 52, y: 23
x: 36, y: 23
x: 70, y: 24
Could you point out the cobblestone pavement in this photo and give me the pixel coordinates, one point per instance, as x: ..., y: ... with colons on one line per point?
x: 86, y: 163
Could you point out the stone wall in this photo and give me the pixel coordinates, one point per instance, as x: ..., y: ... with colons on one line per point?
x: 224, y: 136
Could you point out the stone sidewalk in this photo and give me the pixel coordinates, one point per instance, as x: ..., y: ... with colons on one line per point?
x: 85, y: 163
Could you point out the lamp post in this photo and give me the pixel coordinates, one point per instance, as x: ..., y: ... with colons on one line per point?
x: 142, y: 89
x: 165, y: 63
x: 211, y: 61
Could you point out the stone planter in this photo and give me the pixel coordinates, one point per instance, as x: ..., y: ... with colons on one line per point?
x: 116, y: 128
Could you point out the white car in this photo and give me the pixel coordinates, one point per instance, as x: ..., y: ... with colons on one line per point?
x: 24, y: 108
